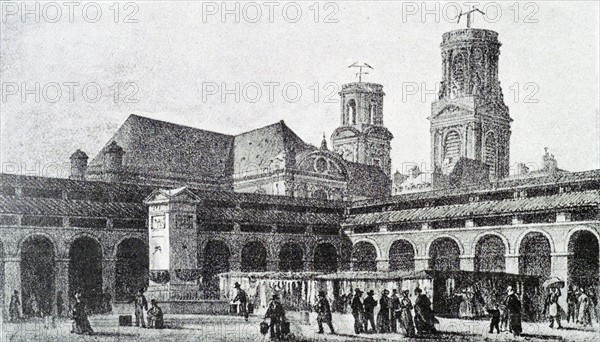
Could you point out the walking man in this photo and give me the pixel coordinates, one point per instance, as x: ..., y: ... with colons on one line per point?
x: 242, y: 299
x: 276, y: 314
x: 513, y: 306
x: 323, y: 313
x: 15, y: 307
x: 358, y: 312
x: 370, y: 304
x: 383, y: 316
x: 394, y: 306
x: 141, y: 306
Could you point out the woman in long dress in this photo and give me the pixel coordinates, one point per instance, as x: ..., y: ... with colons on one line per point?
x: 404, y: 315
x: 583, y: 316
x: 81, y: 324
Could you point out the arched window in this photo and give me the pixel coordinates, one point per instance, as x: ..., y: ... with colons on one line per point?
x: 351, y: 111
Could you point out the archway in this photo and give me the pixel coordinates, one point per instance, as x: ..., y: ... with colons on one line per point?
x: 254, y: 257
x: 37, y: 276
x: 85, y: 271
x: 216, y: 260
x: 490, y: 254
x: 131, y: 272
x: 583, y: 262
x: 325, y: 258
x: 444, y: 255
x: 364, y: 257
x: 291, y: 257
x: 535, y: 256
x: 402, y: 256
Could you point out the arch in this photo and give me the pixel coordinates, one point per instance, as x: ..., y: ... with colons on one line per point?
x: 69, y: 242
x: 38, y: 234
x: 326, y: 258
x: 490, y: 252
x: 535, y: 230
x: 583, y: 263
x: 351, y: 111
x: 444, y: 254
x: 505, y: 241
x: 216, y: 260
x: 578, y: 229
x: 37, y: 275
x: 460, y: 245
x: 132, y: 267
x: 364, y: 256
x: 371, y: 241
x: 85, y: 271
x: 254, y: 257
x: 402, y: 255
x: 291, y: 257
x: 452, y: 147
x: 115, y: 249
x: 535, y: 254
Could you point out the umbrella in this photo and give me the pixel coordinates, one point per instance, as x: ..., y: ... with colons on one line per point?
x: 554, y: 282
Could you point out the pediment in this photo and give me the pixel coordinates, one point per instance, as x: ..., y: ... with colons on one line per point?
x: 182, y: 194
x: 322, y: 162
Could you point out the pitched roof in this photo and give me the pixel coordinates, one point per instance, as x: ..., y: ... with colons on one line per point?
x: 163, y: 149
x: 474, y: 209
x: 254, y: 151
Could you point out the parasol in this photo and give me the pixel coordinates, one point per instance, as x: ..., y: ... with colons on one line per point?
x: 554, y: 282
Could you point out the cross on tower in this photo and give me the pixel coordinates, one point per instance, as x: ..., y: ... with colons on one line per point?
x: 468, y: 14
x: 360, y: 67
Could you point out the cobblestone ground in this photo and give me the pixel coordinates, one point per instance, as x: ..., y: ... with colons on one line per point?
x: 226, y: 328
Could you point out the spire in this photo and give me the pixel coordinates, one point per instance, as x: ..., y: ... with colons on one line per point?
x: 324, y: 142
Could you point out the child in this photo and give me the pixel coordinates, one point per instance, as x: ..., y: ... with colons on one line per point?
x: 494, y: 312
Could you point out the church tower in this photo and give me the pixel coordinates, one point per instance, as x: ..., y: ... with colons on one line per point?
x: 361, y: 137
x: 470, y: 120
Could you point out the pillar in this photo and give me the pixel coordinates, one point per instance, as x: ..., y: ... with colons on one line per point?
x: 12, y: 279
x: 62, y: 284
x: 109, y: 276
x: 559, y: 268
x: 467, y: 263
x: 421, y: 263
x: 383, y: 264
x: 511, y: 263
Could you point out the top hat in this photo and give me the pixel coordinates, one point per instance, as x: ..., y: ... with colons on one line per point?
x: 386, y: 291
x: 394, y: 291
x: 357, y: 290
x: 371, y: 292
x: 237, y: 285
x: 153, y: 301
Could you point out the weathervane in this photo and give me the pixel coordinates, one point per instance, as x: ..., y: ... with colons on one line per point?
x: 360, y: 67
x: 468, y: 14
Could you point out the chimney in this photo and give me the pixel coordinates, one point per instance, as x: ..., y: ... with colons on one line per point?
x: 113, y: 162
x: 78, y: 165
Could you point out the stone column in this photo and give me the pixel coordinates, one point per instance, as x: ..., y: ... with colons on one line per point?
x: 109, y: 277
x: 12, y: 279
x: 559, y: 268
x: 511, y: 263
x: 421, y: 263
x: 62, y: 285
x: 467, y: 263
x: 383, y: 264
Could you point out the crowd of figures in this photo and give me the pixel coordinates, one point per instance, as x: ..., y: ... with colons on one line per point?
x: 79, y: 310
x: 395, y: 313
x: 582, y: 306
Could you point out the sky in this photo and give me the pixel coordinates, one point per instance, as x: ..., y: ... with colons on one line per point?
x: 239, y: 66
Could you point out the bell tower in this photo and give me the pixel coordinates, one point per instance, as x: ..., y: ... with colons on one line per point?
x: 469, y: 120
x: 361, y: 137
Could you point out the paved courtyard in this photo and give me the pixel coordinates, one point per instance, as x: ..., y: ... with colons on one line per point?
x: 226, y: 328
